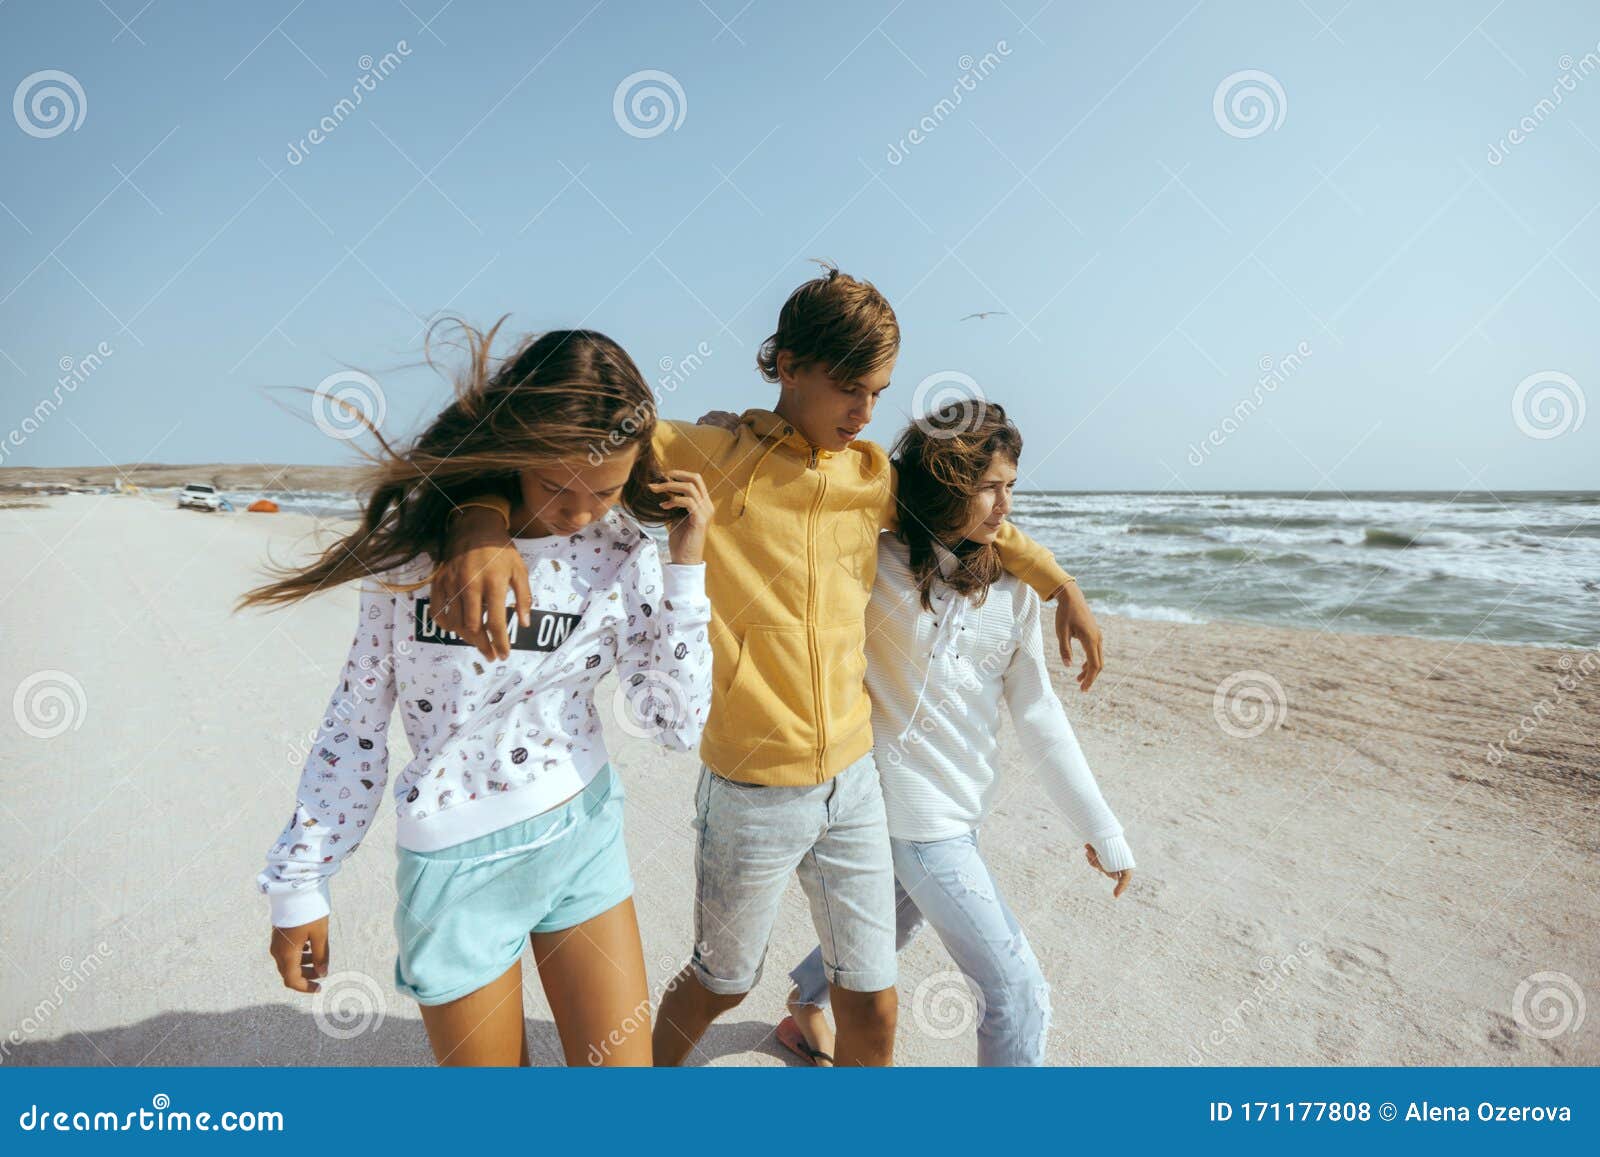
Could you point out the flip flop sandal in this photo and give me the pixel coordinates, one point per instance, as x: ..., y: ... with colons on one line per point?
x: 791, y: 1038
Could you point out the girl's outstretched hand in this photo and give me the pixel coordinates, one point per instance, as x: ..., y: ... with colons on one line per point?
x: 1121, y: 877
x: 302, y: 954
x: 685, y: 490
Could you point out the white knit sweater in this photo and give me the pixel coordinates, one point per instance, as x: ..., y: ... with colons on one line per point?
x: 937, y: 680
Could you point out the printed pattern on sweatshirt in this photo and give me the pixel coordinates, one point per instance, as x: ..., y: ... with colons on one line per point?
x: 495, y: 742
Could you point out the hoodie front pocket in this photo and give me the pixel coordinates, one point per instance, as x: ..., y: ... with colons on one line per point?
x: 770, y: 699
x: 842, y: 652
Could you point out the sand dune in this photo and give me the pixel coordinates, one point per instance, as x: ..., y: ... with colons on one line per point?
x: 223, y: 475
x: 1359, y: 884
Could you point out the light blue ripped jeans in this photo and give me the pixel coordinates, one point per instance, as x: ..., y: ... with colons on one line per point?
x: 946, y: 883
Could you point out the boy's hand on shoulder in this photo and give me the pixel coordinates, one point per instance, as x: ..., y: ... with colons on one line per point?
x: 724, y: 419
x: 480, y: 566
x: 1074, y: 620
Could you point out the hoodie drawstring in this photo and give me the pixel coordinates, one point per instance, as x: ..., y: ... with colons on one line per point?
x: 744, y: 495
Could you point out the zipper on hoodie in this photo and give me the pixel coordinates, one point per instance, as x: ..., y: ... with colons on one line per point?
x: 811, y: 614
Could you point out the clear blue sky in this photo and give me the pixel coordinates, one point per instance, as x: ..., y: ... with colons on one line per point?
x: 1149, y: 260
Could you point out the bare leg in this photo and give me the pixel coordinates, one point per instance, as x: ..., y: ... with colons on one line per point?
x: 812, y: 1020
x: 594, y: 977
x: 687, y: 1010
x: 482, y: 1028
x: 866, y: 1026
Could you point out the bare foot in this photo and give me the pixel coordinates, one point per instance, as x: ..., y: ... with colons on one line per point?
x: 813, y: 1022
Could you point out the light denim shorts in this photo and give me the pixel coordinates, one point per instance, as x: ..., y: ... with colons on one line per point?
x: 834, y: 836
x: 465, y: 912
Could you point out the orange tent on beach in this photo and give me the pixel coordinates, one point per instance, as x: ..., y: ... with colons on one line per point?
x: 263, y: 506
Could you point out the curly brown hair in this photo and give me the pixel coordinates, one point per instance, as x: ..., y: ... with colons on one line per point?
x: 561, y: 395
x: 940, y: 459
x: 836, y: 320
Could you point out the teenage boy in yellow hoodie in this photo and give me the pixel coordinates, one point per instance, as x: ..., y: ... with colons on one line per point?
x: 787, y: 783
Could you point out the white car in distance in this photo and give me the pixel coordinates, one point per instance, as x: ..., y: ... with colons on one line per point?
x: 199, y: 496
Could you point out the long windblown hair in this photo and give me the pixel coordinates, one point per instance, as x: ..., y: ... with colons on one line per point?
x: 565, y: 394
x: 940, y: 459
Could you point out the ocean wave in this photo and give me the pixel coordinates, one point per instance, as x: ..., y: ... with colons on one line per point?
x: 1159, y: 614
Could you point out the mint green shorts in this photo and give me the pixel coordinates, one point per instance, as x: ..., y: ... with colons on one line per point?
x: 465, y: 912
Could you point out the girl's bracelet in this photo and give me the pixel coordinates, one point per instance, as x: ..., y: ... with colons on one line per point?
x: 460, y: 506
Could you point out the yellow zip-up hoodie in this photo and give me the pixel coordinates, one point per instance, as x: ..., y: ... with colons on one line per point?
x: 790, y: 560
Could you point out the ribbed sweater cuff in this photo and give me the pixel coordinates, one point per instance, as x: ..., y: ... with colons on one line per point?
x: 685, y: 581
x: 1114, y: 853
x: 290, y: 909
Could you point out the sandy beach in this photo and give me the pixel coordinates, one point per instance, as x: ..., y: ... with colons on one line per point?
x: 1361, y: 882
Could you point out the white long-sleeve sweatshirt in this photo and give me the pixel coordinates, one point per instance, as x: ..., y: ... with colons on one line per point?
x: 937, y: 680
x: 494, y: 743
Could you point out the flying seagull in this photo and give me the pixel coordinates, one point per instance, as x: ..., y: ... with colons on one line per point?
x: 986, y: 313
